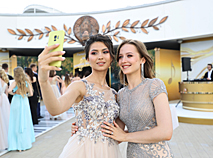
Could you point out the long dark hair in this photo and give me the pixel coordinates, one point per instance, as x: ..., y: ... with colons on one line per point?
x: 67, y: 80
x: 52, y: 73
x: 29, y: 72
x: 141, y: 48
x: 99, y: 38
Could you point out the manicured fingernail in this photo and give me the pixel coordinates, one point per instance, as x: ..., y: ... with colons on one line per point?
x: 63, y: 58
x: 60, y: 68
x: 57, y: 44
x: 63, y: 52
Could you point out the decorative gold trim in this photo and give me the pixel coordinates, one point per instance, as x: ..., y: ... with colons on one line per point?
x: 206, y: 82
x: 197, y: 109
x: 200, y: 121
x: 196, y: 102
x: 196, y: 92
x: 198, y: 40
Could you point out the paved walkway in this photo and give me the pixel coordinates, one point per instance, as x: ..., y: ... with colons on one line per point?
x: 188, y: 141
x: 46, y: 124
x: 47, y: 145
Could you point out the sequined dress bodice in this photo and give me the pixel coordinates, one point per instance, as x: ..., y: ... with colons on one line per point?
x: 97, y: 106
x: 138, y: 113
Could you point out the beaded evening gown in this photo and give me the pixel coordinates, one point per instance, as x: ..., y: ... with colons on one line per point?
x: 20, y: 133
x: 4, y: 116
x: 97, y: 106
x: 138, y: 113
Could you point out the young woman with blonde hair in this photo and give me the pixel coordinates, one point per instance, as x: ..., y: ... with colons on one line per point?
x: 21, y: 132
x: 144, y: 106
x: 4, y: 110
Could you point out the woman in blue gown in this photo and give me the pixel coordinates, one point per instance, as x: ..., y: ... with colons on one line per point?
x: 21, y: 132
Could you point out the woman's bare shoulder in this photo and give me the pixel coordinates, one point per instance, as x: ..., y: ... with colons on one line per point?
x: 77, y: 85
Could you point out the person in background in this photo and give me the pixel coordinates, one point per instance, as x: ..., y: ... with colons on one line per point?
x: 67, y: 82
x: 5, y: 67
x: 209, y: 75
x: 76, y: 78
x: 34, y: 69
x: 71, y: 76
x: 87, y: 73
x: 54, y: 81
x: 20, y: 133
x: 4, y: 110
x: 33, y: 100
x: 67, y: 73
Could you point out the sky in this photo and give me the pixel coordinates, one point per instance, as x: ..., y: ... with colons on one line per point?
x: 70, y: 6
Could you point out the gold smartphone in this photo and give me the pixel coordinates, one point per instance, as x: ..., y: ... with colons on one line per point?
x: 56, y: 37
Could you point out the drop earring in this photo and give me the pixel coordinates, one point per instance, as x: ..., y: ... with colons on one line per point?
x: 142, y: 71
x: 124, y: 83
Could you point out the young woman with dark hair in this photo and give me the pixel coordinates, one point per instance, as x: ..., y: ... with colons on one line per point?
x: 92, y: 99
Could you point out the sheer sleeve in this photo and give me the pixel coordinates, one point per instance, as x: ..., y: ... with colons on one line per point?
x: 157, y: 87
x: 120, y: 92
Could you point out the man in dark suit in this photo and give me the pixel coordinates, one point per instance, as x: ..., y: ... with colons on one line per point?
x: 34, y: 69
x: 209, y: 75
x: 5, y: 67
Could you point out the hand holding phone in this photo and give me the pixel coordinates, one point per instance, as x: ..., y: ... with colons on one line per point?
x: 56, y: 37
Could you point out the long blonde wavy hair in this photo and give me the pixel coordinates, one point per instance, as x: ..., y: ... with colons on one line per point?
x: 21, y: 78
x: 4, y: 76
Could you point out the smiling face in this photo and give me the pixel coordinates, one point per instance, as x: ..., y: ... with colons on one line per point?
x: 129, y: 59
x: 99, y: 56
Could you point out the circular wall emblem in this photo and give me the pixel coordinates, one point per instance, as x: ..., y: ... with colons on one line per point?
x: 84, y: 27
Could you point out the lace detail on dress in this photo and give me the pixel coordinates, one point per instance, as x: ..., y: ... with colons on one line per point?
x: 152, y: 150
x: 156, y: 88
x: 138, y: 113
x: 95, y: 108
